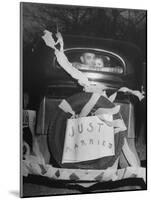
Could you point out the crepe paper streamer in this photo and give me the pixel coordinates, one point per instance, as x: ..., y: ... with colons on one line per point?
x: 32, y: 167
x: 95, y: 88
x: 115, y: 165
x: 25, y: 170
x: 35, y: 164
x: 110, y: 172
x: 26, y: 145
x: 65, y: 106
x: 104, y: 94
x: 110, y: 111
x: 60, y: 41
x: 129, y: 155
x: 134, y: 92
x: 49, y: 41
x: 37, y: 152
x: 74, y: 177
x: 31, y: 164
x: 63, y: 60
x: 100, y: 88
x: 109, y: 123
x: 119, y: 129
x: 68, y: 67
x: 137, y: 93
x: 118, y: 124
x: 112, y: 97
x: 86, y: 184
x: 89, y: 105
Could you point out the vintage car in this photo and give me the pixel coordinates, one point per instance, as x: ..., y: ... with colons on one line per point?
x: 122, y: 67
x: 49, y: 84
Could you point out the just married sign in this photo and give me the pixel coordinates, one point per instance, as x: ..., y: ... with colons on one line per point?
x: 88, y: 138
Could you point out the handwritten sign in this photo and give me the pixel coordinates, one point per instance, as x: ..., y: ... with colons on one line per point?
x: 88, y: 138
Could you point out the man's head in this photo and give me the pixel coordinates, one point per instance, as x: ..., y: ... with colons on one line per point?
x: 88, y: 58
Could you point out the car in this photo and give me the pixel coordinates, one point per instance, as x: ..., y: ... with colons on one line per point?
x: 122, y: 66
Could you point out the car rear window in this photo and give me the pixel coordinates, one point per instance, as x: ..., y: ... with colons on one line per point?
x: 92, y: 60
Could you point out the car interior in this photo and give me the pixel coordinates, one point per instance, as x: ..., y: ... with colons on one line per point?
x: 110, y: 63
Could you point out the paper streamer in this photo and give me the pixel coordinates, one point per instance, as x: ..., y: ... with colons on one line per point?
x: 134, y: 92
x: 63, y: 60
x: 65, y: 106
x: 89, y: 105
x: 118, y: 124
x: 34, y: 163
x: 114, y: 174
x: 110, y: 172
x: 109, y: 111
x: 68, y: 67
x: 95, y: 88
x: 112, y: 97
x: 129, y: 155
x: 49, y: 41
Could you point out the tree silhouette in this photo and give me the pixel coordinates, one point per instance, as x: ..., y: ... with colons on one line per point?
x: 122, y: 24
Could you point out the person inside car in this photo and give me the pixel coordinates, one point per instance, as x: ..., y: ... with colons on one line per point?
x: 88, y: 58
x: 99, y: 63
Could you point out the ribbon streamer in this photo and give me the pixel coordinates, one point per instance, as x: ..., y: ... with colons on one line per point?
x: 65, y: 106
x: 109, y: 111
x: 113, y: 97
x: 49, y: 41
x: 34, y: 164
x: 111, y: 173
x: 68, y: 67
x: 89, y: 105
x: 129, y: 155
x: 118, y: 124
x: 63, y: 60
x: 95, y: 88
x: 134, y: 92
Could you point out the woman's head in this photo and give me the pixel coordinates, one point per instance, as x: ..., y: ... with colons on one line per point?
x: 99, y: 61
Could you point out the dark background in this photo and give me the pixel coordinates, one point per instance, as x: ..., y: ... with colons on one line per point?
x: 123, y: 24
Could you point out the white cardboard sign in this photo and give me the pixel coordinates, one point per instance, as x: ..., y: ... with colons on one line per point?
x: 88, y: 138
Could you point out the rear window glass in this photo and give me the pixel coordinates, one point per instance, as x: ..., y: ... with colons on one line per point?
x: 85, y: 60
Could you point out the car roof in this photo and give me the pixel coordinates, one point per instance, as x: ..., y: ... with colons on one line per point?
x: 123, y: 48
x: 43, y: 56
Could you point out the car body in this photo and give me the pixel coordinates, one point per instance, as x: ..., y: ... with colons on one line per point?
x: 60, y: 85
